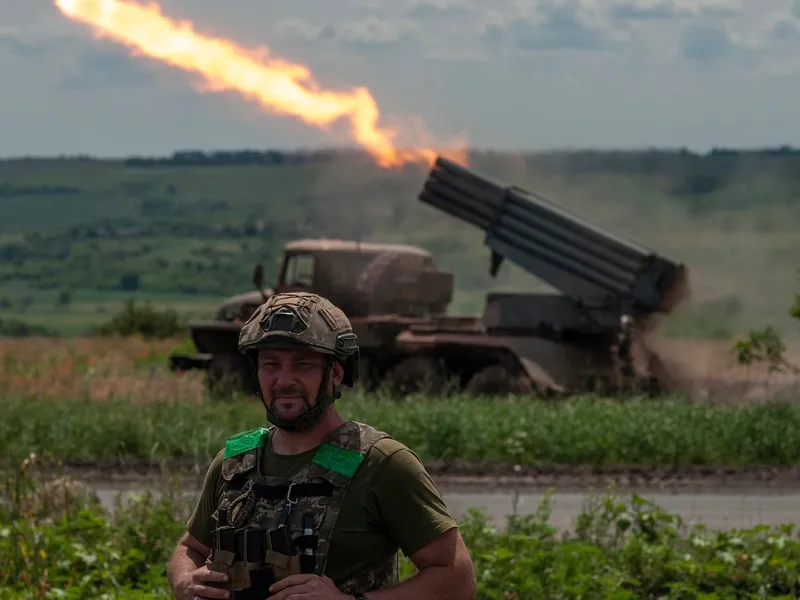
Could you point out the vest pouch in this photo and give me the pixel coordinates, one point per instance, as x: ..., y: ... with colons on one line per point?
x: 249, y: 558
x: 281, y: 555
x: 223, y: 555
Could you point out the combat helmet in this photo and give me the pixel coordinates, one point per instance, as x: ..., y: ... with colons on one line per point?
x: 303, y: 319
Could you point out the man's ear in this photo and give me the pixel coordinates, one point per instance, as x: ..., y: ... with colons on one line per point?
x: 337, y: 373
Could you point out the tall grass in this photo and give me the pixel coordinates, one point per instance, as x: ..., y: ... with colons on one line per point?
x: 114, y: 398
x: 520, y: 431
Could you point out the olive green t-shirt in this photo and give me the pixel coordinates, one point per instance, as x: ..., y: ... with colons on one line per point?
x: 392, y: 504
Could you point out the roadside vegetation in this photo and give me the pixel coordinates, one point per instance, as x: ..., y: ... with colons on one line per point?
x: 58, y: 542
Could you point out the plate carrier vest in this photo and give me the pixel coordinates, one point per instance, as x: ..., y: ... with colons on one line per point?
x: 268, y: 528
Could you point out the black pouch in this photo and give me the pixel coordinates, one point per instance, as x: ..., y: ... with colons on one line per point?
x: 281, y: 554
x: 260, y: 581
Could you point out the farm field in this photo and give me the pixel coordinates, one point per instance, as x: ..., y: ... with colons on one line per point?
x: 113, y: 399
x: 79, y: 236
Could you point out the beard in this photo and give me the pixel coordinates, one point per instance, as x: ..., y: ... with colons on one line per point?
x: 288, y: 401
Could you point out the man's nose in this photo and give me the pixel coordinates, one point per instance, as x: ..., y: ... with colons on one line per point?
x: 285, y: 373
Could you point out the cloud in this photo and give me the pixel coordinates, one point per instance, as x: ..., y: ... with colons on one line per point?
x: 555, y: 25
x: 670, y: 9
x: 784, y: 30
x: 102, y: 63
x: 297, y: 29
x: 73, y: 57
x: 369, y: 32
x: 427, y: 10
x: 796, y: 9
x: 703, y: 43
x: 546, y: 73
x: 29, y: 42
x: 372, y: 31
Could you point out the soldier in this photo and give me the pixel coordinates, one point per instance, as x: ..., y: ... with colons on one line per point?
x: 623, y: 349
x: 315, y: 507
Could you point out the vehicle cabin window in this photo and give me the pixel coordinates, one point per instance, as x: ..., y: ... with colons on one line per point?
x: 300, y: 270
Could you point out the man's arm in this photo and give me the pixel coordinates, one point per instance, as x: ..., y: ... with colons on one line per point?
x: 445, y: 573
x: 413, y: 512
x: 189, y: 555
x: 186, y: 570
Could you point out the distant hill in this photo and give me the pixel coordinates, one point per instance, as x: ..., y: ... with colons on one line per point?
x: 187, y: 229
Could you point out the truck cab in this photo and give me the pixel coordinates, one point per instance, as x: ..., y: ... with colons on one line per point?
x: 361, y: 278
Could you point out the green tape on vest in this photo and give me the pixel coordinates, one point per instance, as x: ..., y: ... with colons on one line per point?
x: 245, y: 441
x: 337, y: 459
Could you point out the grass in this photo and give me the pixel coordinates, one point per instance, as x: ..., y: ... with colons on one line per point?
x: 56, y: 542
x: 113, y: 398
x: 525, y: 431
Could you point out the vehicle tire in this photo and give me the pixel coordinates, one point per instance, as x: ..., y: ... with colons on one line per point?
x: 229, y: 374
x: 497, y: 380
x: 415, y: 375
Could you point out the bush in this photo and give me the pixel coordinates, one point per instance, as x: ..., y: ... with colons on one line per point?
x: 17, y: 328
x: 144, y: 321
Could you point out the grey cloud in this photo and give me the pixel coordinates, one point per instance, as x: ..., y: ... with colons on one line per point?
x: 670, y: 9
x: 428, y: 9
x: 370, y: 32
x: 785, y: 30
x: 74, y: 60
x: 11, y: 41
x: 297, y: 29
x: 703, y: 43
x: 796, y: 9
x: 24, y: 42
x: 374, y: 32
x: 104, y: 63
x: 559, y: 28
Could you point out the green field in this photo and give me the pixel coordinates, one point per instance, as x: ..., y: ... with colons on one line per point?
x: 186, y: 232
x: 524, y: 431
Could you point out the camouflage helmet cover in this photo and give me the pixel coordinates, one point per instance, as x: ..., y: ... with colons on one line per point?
x: 297, y: 319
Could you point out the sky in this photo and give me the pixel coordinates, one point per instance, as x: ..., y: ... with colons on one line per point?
x: 506, y: 74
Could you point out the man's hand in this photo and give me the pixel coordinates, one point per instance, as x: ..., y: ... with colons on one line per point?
x: 192, y: 587
x: 307, y: 587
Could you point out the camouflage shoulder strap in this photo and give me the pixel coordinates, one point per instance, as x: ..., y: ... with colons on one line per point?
x: 242, y: 450
x: 338, y: 460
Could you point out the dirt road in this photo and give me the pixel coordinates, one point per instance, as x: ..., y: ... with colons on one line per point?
x: 718, y: 511
x: 718, y: 497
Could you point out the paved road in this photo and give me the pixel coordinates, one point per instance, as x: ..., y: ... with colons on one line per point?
x: 721, y: 511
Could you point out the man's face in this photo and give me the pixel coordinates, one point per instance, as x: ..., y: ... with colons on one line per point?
x: 291, y: 379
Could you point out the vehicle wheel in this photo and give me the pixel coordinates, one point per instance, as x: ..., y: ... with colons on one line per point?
x: 228, y: 374
x: 497, y: 380
x: 415, y: 375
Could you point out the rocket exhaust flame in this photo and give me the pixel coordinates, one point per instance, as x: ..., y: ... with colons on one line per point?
x: 277, y: 85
